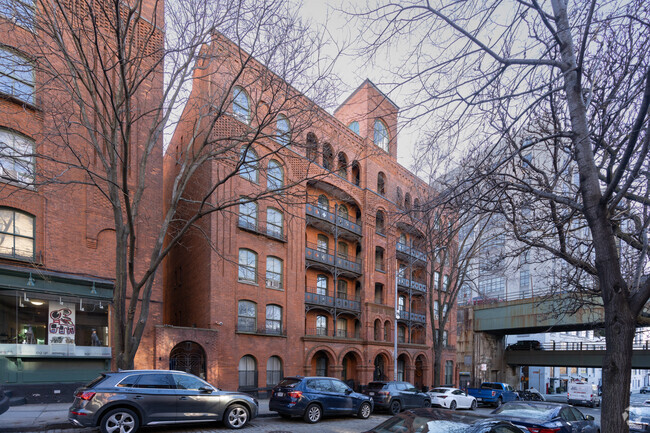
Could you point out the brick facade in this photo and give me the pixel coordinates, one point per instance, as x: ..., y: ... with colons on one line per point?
x: 336, y: 295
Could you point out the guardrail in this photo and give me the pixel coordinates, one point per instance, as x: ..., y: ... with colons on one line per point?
x: 513, y: 296
x: 312, y: 252
x: 573, y: 345
x: 324, y: 214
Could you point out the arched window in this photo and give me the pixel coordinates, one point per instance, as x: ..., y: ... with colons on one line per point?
x: 342, y: 250
x: 402, y: 239
x: 380, y: 223
x: 407, y: 201
x: 321, y: 325
x: 354, y: 127
x: 247, y: 316
x: 273, y: 273
x: 401, y: 335
x: 342, y: 328
x: 379, y: 259
x: 247, y: 372
x: 342, y: 289
x: 342, y: 169
x: 381, y: 135
x: 247, y: 266
x: 273, y: 371
x: 323, y: 203
x: 343, y: 212
x: 273, y: 319
x: 387, y: 334
x: 248, y: 169
x: 321, y: 284
x: 16, y: 234
x: 241, y: 105
x: 322, y: 244
x: 328, y: 156
x: 381, y: 183
x: 274, y: 176
x: 416, y: 207
x: 274, y: 223
x: 401, y: 271
x: 401, y: 303
x: 248, y: 215
x: 401, y: 365
x: 399, y: 197
x: 377, y: 330
x: 17, y: 78
x: 312, y: 146
x: 283, y: 130
x: 356, y: 173
x: 379, y: 293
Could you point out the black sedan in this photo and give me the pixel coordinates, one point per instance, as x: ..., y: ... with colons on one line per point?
x: 427, y: 420
x: 544, y: 416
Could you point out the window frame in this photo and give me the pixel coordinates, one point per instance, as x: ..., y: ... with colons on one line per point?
x: 249, y: 382
x: 320, y: 328
x: 17, y: 152
x: 249, y: 168
x: 276, y: 280
x: 18, y: 61
x: 246, y: 218
x: 246, y: 323
x: 239, y: 111
x: 273, y: 181
x: 276, y: 324
x: 283, y: 136
x: 247, y: 267
x: 320, y: 287
x: 23, y: 20
x: 29, y: 217
x: 381, y: 138
x: 272, y: 227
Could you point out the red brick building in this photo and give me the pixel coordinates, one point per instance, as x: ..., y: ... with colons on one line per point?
x: 57, y: 231
x: 304, y: 285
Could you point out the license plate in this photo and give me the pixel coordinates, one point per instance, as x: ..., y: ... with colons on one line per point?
x: 636, y: 425
x: 371, y: 393
x: 479, y: 399
x: 279, y: 394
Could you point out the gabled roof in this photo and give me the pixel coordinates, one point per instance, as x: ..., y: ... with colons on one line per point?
x: 367, y: 80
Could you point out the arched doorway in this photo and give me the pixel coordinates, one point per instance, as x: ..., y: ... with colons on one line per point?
x: 320, y: 364
x: 189, y: 357
x: 380, y: 368
x: 349, y: 374
x: 418, y: 380
x: 401, y: 368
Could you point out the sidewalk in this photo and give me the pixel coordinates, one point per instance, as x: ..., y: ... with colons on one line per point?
x: 54, y: 416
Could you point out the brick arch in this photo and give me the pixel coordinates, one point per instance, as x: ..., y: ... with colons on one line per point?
x: 331, y: 355
x: 409, y: 358
x: 349, y: 349
x: 422, y: 354
x: 384, y: 352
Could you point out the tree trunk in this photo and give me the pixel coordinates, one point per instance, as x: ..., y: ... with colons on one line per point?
x: 437, y: 355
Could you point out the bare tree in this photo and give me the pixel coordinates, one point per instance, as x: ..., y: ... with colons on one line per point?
x: 113, y: 75
x: 570, y: 83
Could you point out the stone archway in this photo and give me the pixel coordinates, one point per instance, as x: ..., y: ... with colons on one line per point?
x: 188, y: 356
x: 418, y: 379
x: 350, y: 369
x: 321, y: 364
x: 381, y: 368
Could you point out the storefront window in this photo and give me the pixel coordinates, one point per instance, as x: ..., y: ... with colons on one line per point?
x: 37, y: 319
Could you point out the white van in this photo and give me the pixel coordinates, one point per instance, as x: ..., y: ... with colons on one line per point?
x: 583, y: 393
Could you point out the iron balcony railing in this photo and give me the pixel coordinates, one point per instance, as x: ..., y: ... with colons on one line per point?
x: 312, y: 252
x: 269, y: 230
x: 338, y: 333
x: 415, y: 285
x: 412, y: 252
x: 324, y: 214
x: 314, y: 296
x: 261, y: 330
x: 408, y: 315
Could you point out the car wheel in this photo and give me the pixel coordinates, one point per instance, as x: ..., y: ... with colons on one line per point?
x: 427, y: 403
x: 120, y: 420
x: 499, y: 402
x: 364, y: 411
x: 452, y: 405
x: 313, y: 414
x: 395, y: 407
x: 236, y: 416
x: 474, y: 404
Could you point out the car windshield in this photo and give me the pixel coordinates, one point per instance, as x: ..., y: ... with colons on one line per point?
x: 289, y: 383
x: 376, y: 385
x: 421, y: 425
x: 640, y: 414
x: 526, y: 410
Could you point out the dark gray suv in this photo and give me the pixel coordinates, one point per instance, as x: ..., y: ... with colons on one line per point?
x: 121, y: 402
x: 396, y: 396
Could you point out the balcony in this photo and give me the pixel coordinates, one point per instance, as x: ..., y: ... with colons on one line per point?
x: 408, y: 253
x: 338, y: 333
x: 411, y: 284
x: 318, y: 216
x: 262, y: 330
x: 320, y: 257
x: 411, y: 316
x: 323, y: 299
x: 254, y: 227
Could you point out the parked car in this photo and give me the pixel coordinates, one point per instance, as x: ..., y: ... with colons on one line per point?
x: 4, y: 401
x: 583, y: 393
x: 440, y: 421
x: 395, y: 396
x: 644, y: 389
x: 544, y: 416
x: 525, y: 345
x: 493, y: 393
x: 452, y: 398
x: 639, y: 419
x: 315, y: 397
x: 125, y: 400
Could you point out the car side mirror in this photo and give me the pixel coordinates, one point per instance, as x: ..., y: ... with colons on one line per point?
x: 348, y: 391
x: 206, y: 389
x: 589, y: 418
